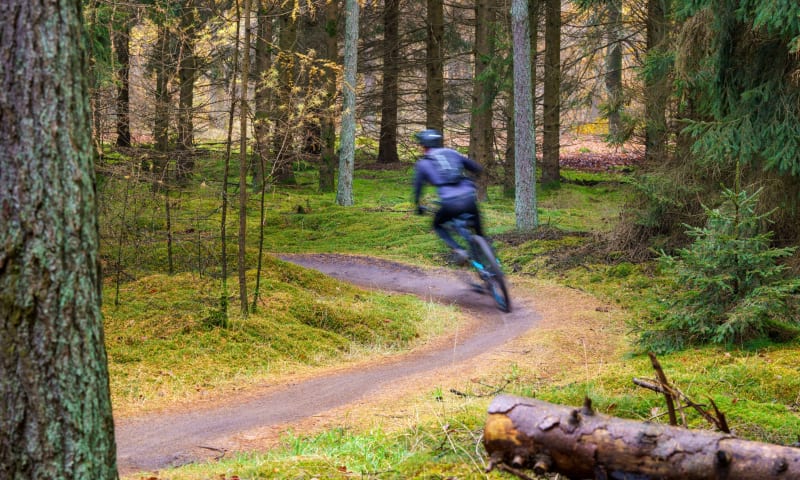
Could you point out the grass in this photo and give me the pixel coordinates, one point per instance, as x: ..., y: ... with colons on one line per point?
x: 164, y: 347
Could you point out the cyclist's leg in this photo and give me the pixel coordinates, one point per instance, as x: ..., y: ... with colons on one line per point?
x: 472, y: 207
x: 477, y: 227
x: 445, y: 213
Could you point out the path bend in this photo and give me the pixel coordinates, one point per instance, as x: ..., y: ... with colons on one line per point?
x: 156, y: 441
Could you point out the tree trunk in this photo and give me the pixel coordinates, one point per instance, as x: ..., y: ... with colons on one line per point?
x: 551, y: 143
x: 243, y: 109
x: 434, y: 60
x: 613, y: 78
x: 122, y: 39
x: 93, y: 76
x: 263, y: 63
x: 167, y: 211
x: 387, y: 145
x: 55, y: 407
x: 524, y: 138
x: 509, y: 177
x: 285, y: 63
x: 314, y: 46
x: 223, y: 231
x: 656, y: 87
x: 510, y: 166
x: 578, y: 443
x: 187, y: 73
x: 481, y: 133
x: 344, y: 194
x: 327, y: 168
x: 161, y: 125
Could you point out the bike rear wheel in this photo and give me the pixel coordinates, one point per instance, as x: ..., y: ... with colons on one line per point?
x: 491, y: 274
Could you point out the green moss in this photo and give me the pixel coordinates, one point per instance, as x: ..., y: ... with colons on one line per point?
x: 303, y: 317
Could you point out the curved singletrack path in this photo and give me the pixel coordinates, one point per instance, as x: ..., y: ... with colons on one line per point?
x: 162, y: 440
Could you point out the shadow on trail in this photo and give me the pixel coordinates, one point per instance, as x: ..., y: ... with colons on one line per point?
x: 164, y: 440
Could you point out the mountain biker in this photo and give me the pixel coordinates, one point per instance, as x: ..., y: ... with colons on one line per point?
x: 444, y: 169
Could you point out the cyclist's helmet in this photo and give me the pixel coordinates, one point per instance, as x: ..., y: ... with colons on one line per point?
x: 429, y: 138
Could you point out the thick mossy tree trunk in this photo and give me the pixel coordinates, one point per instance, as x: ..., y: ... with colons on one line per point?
x: 55, y: 410
x: 579, y: 443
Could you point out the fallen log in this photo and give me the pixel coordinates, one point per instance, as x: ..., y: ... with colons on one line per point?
x: 579, y: 443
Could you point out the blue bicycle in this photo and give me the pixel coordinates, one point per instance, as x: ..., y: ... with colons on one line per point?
x: 481, y: 258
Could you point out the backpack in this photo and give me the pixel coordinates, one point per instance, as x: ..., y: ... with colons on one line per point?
x: 448, y: 167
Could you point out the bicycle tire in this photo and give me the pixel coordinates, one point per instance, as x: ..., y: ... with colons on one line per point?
x: 493, y: 275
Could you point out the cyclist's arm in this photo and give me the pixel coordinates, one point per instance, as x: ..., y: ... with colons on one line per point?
x: 472, y: 166
x: 419, y: 182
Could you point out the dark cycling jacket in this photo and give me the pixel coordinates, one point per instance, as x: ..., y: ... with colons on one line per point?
x: 443, y: 168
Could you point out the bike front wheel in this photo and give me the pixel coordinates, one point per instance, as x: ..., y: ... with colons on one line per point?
x: 491, y: 274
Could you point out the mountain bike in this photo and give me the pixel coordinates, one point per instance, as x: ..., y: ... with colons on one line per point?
x: 481, y: 257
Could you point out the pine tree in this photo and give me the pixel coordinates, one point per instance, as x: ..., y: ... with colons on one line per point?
x: 729, y: 285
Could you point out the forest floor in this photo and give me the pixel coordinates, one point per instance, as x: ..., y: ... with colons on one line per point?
x: 551, y: 327
x: 592, y: 153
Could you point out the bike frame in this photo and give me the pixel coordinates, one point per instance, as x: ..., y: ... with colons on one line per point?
x: 492, y: 274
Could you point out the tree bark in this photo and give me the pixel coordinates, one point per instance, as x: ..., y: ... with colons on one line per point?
x: 55, y: 407
x: 121, y: 39
x: 613, y: 77
x: 223, y: 232
x: 263, y: 63
x: 344, y: 193
x: 161, y: 122
x: 327, y: 168
x: 481, y: 133
x: 578, y: 443
x: 551, y: 142
x: 95, y: 30
x: 524, y: 138
x: 187, y: 73
x: 314, y: 45
x: 243, y: 110
x: 387, y: 145
x: 285, y: 63
x: 509, y: 176
x: 434, y: 60
x: 509, y: 164
x: 656, y: 86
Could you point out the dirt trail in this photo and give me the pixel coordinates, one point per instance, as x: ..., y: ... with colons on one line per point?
x: 163, y: 440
